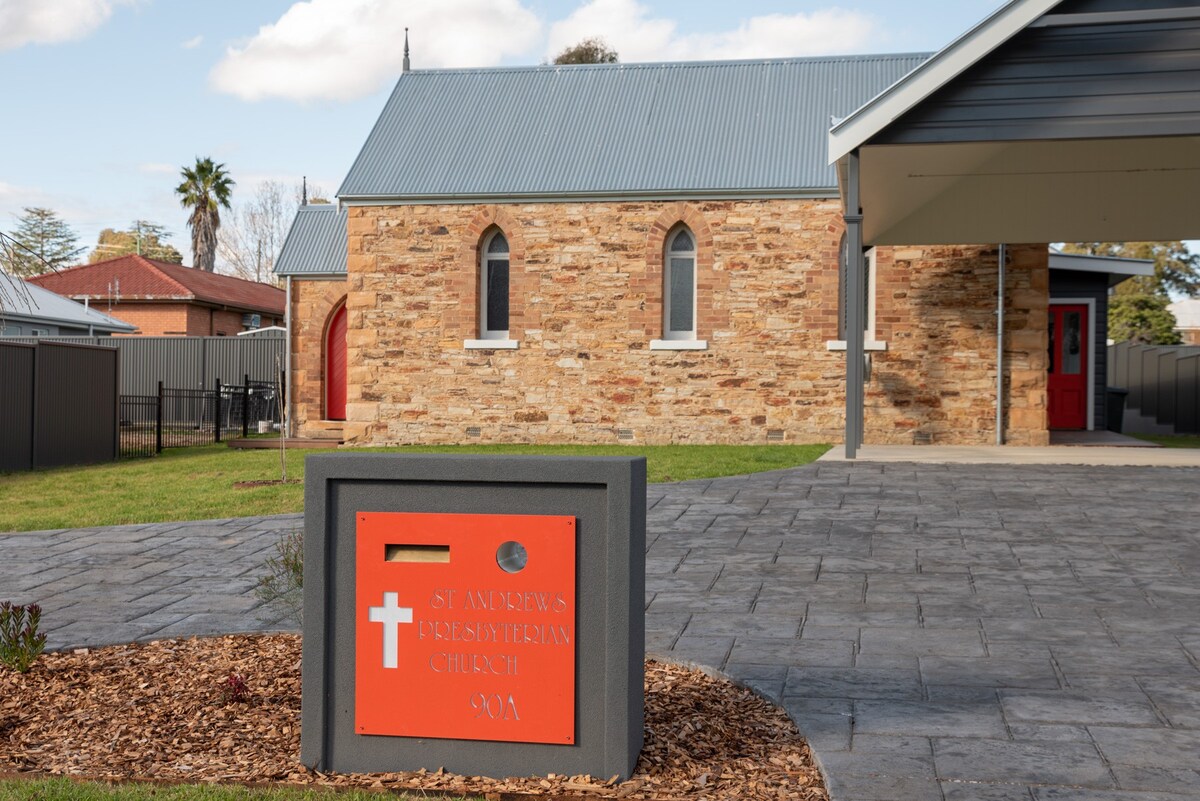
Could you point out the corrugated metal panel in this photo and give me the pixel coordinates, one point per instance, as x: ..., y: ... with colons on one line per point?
x: 702, y: 127
x: 1072, y: 81
x: 76, y: 405
x: 16, y: 406
x: 178, y: 362
x: 315, y: 244
x: 186, y: 362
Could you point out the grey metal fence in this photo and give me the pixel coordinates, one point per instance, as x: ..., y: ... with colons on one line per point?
x: 191, y: 362
x: 1164, y: 386
x: 58, y: 404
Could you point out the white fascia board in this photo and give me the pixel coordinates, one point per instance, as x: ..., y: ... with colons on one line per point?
x: 949, y: 62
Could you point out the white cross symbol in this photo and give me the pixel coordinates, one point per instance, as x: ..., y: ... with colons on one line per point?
x: 391, y: 615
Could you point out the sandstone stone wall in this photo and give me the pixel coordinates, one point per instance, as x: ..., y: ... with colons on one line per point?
x: 586, y: 295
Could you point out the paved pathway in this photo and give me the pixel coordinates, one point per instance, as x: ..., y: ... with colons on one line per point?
x: 942, y: 632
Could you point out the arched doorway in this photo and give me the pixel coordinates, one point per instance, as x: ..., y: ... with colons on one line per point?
x: 335, y: 365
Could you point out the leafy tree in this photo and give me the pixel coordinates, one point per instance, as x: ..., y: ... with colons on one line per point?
x: 205, y: 189
x: 1141, y: 318
x: 590, y: 51
x: 1176, y: 269
x: 146, y: 238
x: 41, y: 242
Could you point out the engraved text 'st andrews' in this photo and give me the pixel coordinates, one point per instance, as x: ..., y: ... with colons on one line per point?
x: 474, y: 613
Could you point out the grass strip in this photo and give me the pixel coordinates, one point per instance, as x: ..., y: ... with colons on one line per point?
x: 198, y: 483
x: 1172, y: 440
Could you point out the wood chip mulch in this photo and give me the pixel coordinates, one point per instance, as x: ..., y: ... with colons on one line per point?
x: 161, y: 711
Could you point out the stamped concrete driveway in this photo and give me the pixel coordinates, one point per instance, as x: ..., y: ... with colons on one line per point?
x: 940, y: 632
x: 951, y: 631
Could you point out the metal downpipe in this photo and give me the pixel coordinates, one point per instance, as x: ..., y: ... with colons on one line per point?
x: 287, y: 364
x: 1003, y: 259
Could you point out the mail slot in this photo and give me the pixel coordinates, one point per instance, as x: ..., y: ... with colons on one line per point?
x: 460, y: 634
x: 481, y: 614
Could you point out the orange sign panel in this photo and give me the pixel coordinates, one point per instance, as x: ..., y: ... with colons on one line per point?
x: 465, y: 626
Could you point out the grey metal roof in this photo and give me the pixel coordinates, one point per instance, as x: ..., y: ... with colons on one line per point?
x: 21, y: 300
x: 316, y: 243
x: 689, y: 128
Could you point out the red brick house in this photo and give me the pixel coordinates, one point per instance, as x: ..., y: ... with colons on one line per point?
x: 166, y: 299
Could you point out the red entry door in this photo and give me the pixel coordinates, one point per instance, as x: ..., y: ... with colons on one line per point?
x: 335, y: 367
x: 1068, y: 384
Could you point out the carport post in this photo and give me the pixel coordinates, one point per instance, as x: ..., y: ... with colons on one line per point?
x: 855, y: 295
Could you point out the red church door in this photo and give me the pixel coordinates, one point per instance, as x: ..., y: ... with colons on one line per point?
x: 1068, y: 381
x: 335, y: 366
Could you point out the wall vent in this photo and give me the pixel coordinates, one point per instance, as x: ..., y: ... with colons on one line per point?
x: 774, y: 435
x: 922, y: 438
x: 474, y: 431
x: 625, y: 433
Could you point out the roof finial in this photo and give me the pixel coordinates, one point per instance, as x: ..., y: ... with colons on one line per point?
x: 304, y: 190
x: 406, y: 66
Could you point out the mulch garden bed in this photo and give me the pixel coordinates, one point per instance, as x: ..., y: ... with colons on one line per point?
x: 168, y: 711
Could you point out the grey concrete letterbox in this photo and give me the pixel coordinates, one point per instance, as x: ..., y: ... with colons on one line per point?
x: 483, y: 614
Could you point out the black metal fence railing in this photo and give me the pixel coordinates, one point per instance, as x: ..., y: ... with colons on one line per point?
x: 138, y: 425
x: 175, y: 418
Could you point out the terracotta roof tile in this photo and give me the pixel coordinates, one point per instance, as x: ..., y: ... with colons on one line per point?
x: 149, y: 279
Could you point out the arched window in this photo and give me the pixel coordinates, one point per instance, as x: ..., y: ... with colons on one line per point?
x: 679, y: 285
x: 493, y: 287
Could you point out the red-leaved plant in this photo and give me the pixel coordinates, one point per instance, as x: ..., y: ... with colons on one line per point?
x: 234, y: 690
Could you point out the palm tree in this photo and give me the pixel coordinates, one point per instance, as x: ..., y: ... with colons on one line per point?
x: 205, y: 188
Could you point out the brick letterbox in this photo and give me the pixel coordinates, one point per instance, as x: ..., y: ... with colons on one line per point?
x: 481, y: 614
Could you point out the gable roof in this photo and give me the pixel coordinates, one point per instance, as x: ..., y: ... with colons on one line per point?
x: 708, y: 129
x: 316, y: 242
x: 143, y: 279
x: 948, y: 63
x: 27, y: 301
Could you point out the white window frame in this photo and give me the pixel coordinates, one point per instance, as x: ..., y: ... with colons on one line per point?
x: 869, y: 340
x: 678, y: 340
x: 489, y: 339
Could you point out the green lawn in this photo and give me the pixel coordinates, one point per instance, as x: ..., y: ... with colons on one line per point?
x: 67, y: 790
x: 197, y: 483
x: 1175, y: 441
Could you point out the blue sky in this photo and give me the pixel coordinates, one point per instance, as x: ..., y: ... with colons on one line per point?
x: 104, y: 100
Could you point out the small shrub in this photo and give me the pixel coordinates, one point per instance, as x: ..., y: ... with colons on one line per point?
x: 234, y: 690
x: 283, y: 586
x: 20, y: 641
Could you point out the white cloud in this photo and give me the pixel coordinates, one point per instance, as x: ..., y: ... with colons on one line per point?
x: 627, y: 27
x: 343, y: 49
x: 152, y: 168
x: 192, y: 43
x: 25, y: 22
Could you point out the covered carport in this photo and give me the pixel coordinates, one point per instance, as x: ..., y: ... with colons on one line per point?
x: 1050, y: 121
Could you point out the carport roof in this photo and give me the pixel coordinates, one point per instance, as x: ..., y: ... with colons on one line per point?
x: 1051, y: 120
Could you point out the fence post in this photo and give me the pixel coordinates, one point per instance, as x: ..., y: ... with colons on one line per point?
x: 158, y: 420
x: 217, y: 414
x: 245, y: 405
